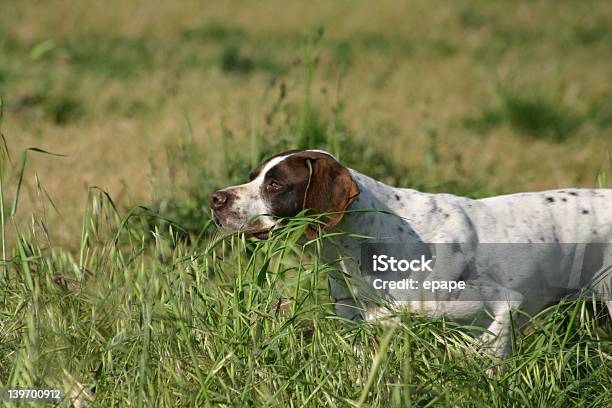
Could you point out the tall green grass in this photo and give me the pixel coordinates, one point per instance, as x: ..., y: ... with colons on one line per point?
x: 142, y: 318
x: 149, y: 313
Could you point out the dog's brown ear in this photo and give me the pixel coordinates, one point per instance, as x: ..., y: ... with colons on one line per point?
x: 331, y: 189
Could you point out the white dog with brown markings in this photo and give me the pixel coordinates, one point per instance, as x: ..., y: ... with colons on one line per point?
x: 559, y: 224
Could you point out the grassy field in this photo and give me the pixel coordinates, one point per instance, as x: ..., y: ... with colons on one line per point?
x: 114, y: 281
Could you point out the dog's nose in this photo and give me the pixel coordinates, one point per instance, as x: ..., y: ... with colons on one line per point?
x: 218, y: 199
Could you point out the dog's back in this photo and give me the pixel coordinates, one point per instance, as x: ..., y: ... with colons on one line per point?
x: 569, y: 216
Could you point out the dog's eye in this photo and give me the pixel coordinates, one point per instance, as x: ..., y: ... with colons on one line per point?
x: 275, y: 186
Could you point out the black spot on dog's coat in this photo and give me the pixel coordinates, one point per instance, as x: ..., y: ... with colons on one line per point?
x: 550, y: 199
x: 573, y: 193
x: 397, y: 197
x: 585, y: 211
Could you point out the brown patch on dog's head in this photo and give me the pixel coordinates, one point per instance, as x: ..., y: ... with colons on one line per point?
x: 310, y: 180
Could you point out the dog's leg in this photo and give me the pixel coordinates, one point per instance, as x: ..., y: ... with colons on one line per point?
x: 494, y: 299
x: 497, y: 303
x: 496, y: 340
x: 345, y: 301
x: 602, y: 281
x: 603, y: 292
x: 485, y: 304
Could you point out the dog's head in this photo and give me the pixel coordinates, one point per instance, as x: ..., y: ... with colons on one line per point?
x: 283, y: 186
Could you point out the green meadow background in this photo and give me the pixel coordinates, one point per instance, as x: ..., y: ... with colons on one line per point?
x: 116, y: 288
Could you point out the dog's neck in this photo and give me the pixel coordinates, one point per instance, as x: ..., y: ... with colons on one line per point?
x: 373, y: 214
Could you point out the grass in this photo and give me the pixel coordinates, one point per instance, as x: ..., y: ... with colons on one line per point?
x: 144, y: 317
x: 156, y: 308
x: 128, y: 85
x: 115, y: 283
x: 530, y: 111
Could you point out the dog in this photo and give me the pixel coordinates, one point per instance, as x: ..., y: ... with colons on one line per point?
x: 560, y: 241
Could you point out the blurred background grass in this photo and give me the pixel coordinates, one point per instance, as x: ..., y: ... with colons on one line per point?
x: 160, y: 102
